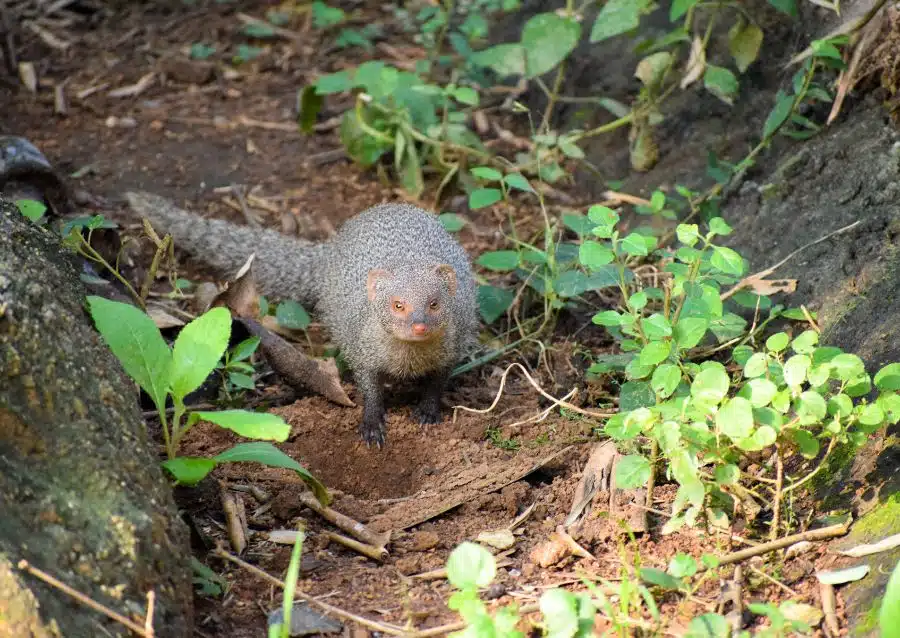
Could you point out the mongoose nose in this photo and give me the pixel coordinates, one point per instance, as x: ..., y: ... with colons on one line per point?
x: 419, y: 329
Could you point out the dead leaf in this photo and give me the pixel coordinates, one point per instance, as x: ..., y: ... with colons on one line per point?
x: 595, y: 476
x: 241, y: 296
x: 498, y: 539
x: 696, y: 64
x: 550, y: 552
x: 134, y: 89
x: 766, y: 287
x: 163, y: 319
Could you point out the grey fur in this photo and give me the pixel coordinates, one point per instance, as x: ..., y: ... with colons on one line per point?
x: 331, y: 279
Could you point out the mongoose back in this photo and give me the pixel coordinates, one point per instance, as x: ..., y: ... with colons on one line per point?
x: 393, y: 287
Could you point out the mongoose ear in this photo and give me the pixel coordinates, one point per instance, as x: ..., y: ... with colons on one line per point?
x: 446, y: 272
x: 375, y: 278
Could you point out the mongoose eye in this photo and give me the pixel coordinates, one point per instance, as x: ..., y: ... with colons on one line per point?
x: 433, y: 305
x: 398, y: 306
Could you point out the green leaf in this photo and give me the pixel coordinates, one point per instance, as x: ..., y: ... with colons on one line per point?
x: 617, y: 17
x: 487, y: 173
x: 688, y: 234
x: 889, y: 616
x: 655, y: 352
x: 411, y: 178
x: 727, y: 474
x: 759, y: 392
x: 603, y: 216
x: 334, y: 83
x: 656, y: 326
x: 198, y: 348
x: 847, y: 366
x: 806, y: 442
x: 718, y: 226
x: 493, y: 302
x: 499, y: 260
x: 727, y: 260
x: 608, y: 318
x: 682, y: 566
x: 241, y: 380
x: 810, y: 407
x: 325, y: 16
x: 517, y: 180
x: 451, y: 222
x: 708, y: 626
x: 805, y: 342
x: 679, y: 8
x: 735, y: 418
x: 744, y: 41
x: 795, y: 369
x: 825, y: 49
x: 32, y: 209
x: 635, y: 245
x: 757, y: 365
x: 201, y: 51
x: 689, y: 331
x: 292, y: 315
x: 268, y: 454
x: 785, y: 6
x: 244, y: 349
x: 189, y: 470
x: 253, y: 425
x: 548, y: 39
x: 470, y: 566
x: 665, y: 379
x: 632, y: 471
x: 779, y: 114
x: 503, y: 59
x: 721, y: 82
x: 466, y: 95
x: 311, y: 102
x: 483, y: 197
x: 660, y: 578
x: 636, y: 394
x: 763, y: 437
x: 650, y: 72
x: 135, y: 340
x: 888, y: 378
x: 560, y: 610
x: 778, y: 342
x: 593, y: 254
x: 710, y: 385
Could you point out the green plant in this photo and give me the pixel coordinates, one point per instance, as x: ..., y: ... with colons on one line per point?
x: 173, y: 373
x: 889, y: 617
x: 235, y: 370
x: 283, y: 629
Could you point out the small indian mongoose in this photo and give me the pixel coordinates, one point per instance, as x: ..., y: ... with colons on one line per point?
x: 393, y: 287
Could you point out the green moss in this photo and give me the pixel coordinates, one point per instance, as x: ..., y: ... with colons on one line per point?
x: 869, y: 621
x: 881, y: 519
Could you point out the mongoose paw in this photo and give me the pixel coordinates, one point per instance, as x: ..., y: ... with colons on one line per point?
x: 372, y: 432
x: 428, y: 414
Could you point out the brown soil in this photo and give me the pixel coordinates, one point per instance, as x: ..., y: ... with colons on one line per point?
x: 434, y: 487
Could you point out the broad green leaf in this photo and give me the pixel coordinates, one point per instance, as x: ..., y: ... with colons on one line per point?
x: 665, y: 379
x: 840, y: 405
x: 638, y: 300
x: 727, y: 474
x: 727, y: 260
x: 325, y: 16
x: 795, y: 369
x: 708, y: 626
x: 778, y: 342
x: 655, y: 352
x: 888, y: 378
x: 241, y: 380
x: 621, y: 428
x: 679, y: 8
x: 651, y: 69
x: 759, y: 392
x: 466, y: 95
x: 334, y: 83
x: 806, y: 442
x: 744, y: 41
x: 603, y: 216
x: 847, y: 366
x: 580, y: 224
x: 805, y: 342
x: 593, y: 254
x: 825, y: 49
x: 268, y: 454
x: 253, y: 425
x: 499, y: 260
x: 189, y: 470
x: 487, y: 173
x: 871, y: 415
x: 292, y: 315
x: 560, y: 610
x: 632, y: 471
x: 471, y: 566
x: 636, y: 394
x: 548, y: 39
x: 451, y: 222
x: 244, y: 349
x: 689, y: 331
x: 810, y: 407
x: 785, y: 6
x: 32, y: 209
x: 311, y: 102
x: 608, y: 318
x: 517, y: 180
x: 688, y: 234
x: 660, y: 578
x: 756, y: 365
x: 483, y: 197
x: 735, y: 418
x: 493, y: 302
x: 617, y: 17
x: 503, y: 59
x: 763, y: 437
x: 656, y: 326
x: 889, y: 616
x: 711, y: 385
x: 198, y: 348
x: 135, y: 340
x: 720, y: 82
x: 779, y: 114
x: 635, y: 245
x: 682, y: 566
x: 718, y: 226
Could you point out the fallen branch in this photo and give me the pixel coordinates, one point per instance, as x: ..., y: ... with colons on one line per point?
x: 820, y: 534
x: 370, y: 551
x: 344, y: 522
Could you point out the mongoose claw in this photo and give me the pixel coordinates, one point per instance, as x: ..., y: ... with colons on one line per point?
x: 372, y: 431
x: 428, y: 414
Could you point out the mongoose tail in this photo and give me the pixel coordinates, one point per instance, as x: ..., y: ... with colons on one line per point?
x: 284, y: 267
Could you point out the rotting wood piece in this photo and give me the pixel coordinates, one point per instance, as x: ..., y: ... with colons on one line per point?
x: 81, y: 491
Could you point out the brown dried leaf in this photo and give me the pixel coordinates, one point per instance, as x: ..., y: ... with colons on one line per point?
x: 696, y: 64
x: 766, y: 287
x: 550, y: 552
x: 163, y: 319
x: 241, y: 297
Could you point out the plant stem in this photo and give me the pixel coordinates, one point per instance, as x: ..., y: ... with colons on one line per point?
x: 164, y: 424
x: 553, y: 96
x: 88, y: 252
x: 654, y: 455
x: 809, y: 476
x: 779, y: 481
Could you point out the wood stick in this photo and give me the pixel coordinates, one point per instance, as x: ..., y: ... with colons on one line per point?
x: 820, y: 534
x: 349, y: 525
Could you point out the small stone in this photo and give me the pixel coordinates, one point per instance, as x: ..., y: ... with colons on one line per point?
x: 408, y: 565
x: 188, y: 71
x: 423, y: 541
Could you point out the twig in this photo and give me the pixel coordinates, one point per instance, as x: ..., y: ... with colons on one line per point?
x: 148, y: 623
x: 242, y: 202
x: 778, y: 494
x: 344, y: 522
x: 743, y: 283
x: 375, y: 553
x: 774, y: 581
x: 823, y: 533
x: 330, y: 609
x: 534, y: 384
x: 77, y: 595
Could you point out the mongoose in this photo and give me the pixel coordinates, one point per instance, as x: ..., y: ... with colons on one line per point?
x: 392, y: 286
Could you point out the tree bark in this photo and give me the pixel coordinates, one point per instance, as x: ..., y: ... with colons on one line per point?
x: 82, y: 494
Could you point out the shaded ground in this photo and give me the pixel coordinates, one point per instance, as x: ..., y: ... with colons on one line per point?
x: 186, y: 141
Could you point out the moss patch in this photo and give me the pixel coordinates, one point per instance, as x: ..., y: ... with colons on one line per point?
x: 882, y: 519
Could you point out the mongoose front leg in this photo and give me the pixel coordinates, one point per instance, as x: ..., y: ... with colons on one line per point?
x: 371, y: 429
x: 429, y: 409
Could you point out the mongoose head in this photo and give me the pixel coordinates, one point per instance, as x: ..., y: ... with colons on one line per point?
x: 413, y: 303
